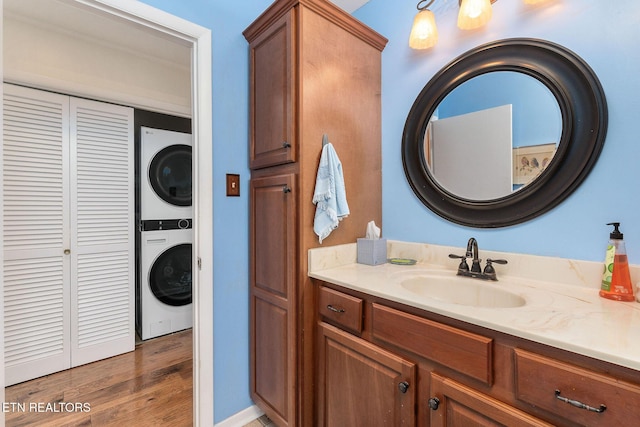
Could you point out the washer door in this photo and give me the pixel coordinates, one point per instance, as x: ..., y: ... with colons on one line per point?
x: 170, y: 174
x: 170, y: 276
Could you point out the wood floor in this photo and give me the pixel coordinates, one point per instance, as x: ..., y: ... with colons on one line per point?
x: 262, y: 421
x: 151, y: 386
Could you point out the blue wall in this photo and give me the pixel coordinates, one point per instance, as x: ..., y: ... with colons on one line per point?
x: 603, y: 33
x: 575, y: 229
x: 230, y: 70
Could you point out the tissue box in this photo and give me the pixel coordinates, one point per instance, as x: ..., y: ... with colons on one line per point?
x: 372, y: 251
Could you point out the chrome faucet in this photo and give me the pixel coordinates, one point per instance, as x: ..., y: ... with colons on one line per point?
x: 489, y: 272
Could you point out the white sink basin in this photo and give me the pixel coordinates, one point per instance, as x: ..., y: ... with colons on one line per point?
x: 462, y: 291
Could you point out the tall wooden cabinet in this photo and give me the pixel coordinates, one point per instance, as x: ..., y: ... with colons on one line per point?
x: 67, y: 232
x: 315, y: 70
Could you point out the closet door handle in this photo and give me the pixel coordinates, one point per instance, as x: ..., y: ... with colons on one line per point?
x: 67, y: 251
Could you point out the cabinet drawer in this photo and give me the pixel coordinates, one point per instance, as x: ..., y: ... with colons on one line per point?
x: 467, y: 353
x: 340, y: 309
x: 537, y: 379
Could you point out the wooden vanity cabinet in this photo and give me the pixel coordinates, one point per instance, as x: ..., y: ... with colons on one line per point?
x: 466, y: 375
x: 314, y: 70
x: 359, y: 383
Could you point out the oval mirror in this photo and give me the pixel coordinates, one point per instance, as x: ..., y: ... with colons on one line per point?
x: 504, y: 132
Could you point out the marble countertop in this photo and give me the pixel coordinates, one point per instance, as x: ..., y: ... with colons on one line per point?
x: 569, y: 317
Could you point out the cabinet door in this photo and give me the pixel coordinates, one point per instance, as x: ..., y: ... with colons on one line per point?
x: 272, y: 295
x: 459, y: 405
x: 102, y: 221
x: 361, y: 384
x: 36, y: 233
x: 272, y: 95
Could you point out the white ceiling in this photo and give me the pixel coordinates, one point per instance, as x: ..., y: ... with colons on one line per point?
x: 349, y: 5
x: 76, y: 19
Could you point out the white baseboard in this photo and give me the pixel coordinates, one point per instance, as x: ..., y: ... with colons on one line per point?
x: 241, y: 418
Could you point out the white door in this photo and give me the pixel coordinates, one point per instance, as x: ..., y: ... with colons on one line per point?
x: 36, y: 233
x: 102, y: 237
x: 472, y: 153
x: 68, y: 232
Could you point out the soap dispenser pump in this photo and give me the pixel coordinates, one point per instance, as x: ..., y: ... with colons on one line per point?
x: 616, y: 280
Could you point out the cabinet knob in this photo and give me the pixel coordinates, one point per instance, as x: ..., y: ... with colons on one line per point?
x: 286, y: 189
x: 434, y: 403
x: 285, y: 145
x: 403, y: 386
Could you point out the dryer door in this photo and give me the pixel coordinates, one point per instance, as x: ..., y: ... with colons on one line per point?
x: 170, y: 174
x: 170, y: 276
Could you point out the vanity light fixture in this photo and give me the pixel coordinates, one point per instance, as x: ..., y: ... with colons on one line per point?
x: 472, y: 14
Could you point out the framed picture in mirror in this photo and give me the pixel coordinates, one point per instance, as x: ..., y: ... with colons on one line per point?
x: 530, y: 161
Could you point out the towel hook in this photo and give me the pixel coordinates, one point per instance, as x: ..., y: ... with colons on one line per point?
x: 325, y: 139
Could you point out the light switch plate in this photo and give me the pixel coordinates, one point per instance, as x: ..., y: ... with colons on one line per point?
x: 233, y: 185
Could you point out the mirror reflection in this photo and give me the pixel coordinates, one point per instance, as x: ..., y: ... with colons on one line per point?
x: 492, y: 135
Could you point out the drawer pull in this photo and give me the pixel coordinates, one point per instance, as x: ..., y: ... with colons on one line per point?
x: 580, y: 405
x: 335, y: 310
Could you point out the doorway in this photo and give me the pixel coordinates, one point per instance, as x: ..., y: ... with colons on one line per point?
x: 145, y: 19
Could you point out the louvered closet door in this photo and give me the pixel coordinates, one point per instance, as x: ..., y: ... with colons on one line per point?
x: 36, y: 233
x: 102, y: 247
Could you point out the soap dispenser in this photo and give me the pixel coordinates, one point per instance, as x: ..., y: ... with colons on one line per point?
x: 616, y: 280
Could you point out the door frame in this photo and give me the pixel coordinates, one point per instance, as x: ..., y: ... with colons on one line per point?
x: 199, y: 39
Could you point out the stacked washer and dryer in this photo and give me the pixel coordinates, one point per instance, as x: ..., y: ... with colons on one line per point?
x: 164, y: 298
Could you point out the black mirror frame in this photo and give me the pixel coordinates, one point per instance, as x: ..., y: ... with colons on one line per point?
x: 584, y: 126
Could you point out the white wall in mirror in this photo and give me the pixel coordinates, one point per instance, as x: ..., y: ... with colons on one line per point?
x: 476, y: 171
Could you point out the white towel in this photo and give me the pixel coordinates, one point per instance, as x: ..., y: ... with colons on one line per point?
x: 329, y: 196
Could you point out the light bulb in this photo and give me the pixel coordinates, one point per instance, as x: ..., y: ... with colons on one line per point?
x: 474, y: 14
x: 424, y: 33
